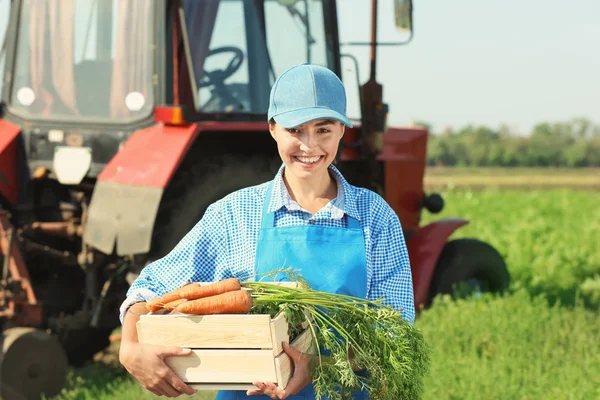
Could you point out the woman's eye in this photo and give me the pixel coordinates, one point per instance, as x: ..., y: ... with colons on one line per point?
x: 293, y: 130
x: 324, y: 130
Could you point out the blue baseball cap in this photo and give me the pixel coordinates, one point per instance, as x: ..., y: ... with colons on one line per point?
x: 306, y: 93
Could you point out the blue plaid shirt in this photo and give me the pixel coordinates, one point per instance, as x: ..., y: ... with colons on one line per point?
x: 223, y: 243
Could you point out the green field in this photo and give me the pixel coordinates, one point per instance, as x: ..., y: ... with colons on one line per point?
x: 539, y: 341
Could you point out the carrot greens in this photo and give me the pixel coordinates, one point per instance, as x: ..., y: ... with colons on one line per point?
x: 361, y: 344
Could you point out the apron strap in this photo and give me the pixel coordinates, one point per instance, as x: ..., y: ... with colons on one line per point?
x: 353, y: 223
x: 268, y: 218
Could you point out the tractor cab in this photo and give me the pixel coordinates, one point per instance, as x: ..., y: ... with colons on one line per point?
x: 88, y: 73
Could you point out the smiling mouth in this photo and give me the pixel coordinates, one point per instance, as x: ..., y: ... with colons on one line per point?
x: 308, y: 160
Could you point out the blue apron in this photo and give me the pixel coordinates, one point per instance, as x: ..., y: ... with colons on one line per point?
x: 330, y: 259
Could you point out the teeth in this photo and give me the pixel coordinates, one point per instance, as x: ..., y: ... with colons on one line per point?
x: 308, y: 160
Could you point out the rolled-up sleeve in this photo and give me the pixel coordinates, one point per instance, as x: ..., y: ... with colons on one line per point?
x: 201, y: 256
x: 391, y: 277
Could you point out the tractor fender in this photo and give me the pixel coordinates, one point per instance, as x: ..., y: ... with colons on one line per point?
x: 424, y: 248
x: 128, y: 191
x: 9, y: 157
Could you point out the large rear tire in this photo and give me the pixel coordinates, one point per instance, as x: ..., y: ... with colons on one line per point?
x: 33, y: 363
x: 199, y: 184
x: 469, y: 266
x: 79, y: 340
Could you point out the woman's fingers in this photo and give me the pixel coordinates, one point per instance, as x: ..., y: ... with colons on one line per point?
x: 169, y: 385
x: 178, y: 384
x: 172, y: 383
x: 300, y: 378
x: 267, y: 388
x: 147, y: 364
x: 173, y: 351
x: 167, y: 389
x: 255, y: 392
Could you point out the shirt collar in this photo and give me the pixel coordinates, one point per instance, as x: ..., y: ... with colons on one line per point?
x: 339, y: 206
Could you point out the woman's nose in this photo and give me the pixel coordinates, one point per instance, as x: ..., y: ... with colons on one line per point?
x: 308, y: 143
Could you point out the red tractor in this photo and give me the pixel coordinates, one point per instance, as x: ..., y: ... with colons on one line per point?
x: 121, y: 121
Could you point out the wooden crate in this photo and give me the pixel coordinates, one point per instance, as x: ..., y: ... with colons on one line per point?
x: 229, y: 352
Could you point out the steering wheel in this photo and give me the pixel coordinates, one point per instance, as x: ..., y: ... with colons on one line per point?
x: 218, y: 76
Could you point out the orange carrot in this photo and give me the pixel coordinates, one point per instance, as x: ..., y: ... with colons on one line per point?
x: 173, y: 304
x: 235, y: 302
x: 159, y: 302
x: 212, y: 289
x: 154, y: 305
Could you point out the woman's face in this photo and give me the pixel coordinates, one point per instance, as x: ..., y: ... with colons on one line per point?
x: 308, y: 150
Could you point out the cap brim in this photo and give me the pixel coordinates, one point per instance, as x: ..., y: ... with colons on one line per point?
x: 292, y: 119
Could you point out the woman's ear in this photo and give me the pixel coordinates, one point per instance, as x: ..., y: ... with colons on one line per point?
x: 272, y: 126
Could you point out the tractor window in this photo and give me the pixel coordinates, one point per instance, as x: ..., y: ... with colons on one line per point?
x: 304, y: 39
x: 84, y: 60
x: 239, y: 47
x: 4, y: 14
x: 218, y: 46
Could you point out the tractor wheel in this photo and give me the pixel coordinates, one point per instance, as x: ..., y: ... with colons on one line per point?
x: 79, y: 340
x: 467, y: 267
x: 33, y: 363
x: 199, y: 184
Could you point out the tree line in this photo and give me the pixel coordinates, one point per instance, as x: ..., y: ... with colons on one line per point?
x: 574, y: 143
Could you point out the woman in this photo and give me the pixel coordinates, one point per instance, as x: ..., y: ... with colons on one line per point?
x: 342, y: 238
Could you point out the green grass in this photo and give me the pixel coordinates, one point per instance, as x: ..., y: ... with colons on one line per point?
x: 102, y: 381
x: 550, y: 239
x: 514, y: 347
x: 539, y: 341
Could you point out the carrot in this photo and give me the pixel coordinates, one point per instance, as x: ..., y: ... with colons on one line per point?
x: 235, y: 302
x: 173, y: 304
x: 154, y: 305
x: 159, y: 302
x: 212, y: 289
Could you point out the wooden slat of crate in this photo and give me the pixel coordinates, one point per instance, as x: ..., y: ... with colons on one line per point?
x: 207, y: 331
x: 227, y: 366
x: 221, y: 386
x: 236, y: 369
x: 279, y: 333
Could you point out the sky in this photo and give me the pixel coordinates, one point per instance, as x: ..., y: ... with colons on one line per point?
x: 485, y: 62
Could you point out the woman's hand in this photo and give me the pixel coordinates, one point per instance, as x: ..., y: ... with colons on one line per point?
x: 146, y: 363
x: 300, y: 378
